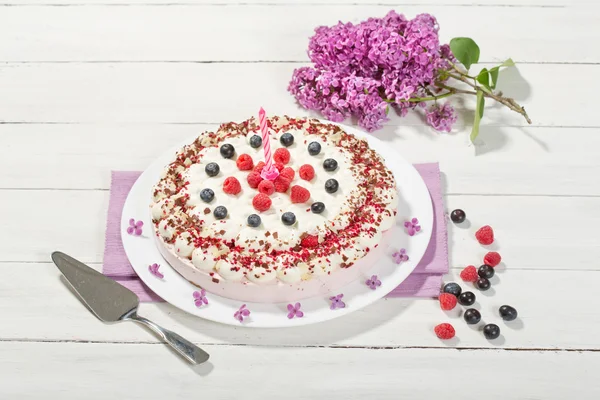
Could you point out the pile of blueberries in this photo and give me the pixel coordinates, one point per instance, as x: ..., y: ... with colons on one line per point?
x: 473, y: 316
x: 485, y: 272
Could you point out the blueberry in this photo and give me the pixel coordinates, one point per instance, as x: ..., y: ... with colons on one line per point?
x: 287, y: 139
x: 491, y: 331
x: 466, y: 298
x: 253, y: 220
x: 255, y: 141
x: 207, y: 195
x: 457, y: 216
x: 452, y: 288
x: 330, y: 164
x: 331, y: 185
x: 508, y: 313
x: 220, y: 212
x: 288, y: 218
x: 483, y: 284
x: 227, y: 151
x: 485, y: 271
x: 212, y: 169
x: 314, y: 148
x: 317, y: 207
x: 472, y: 316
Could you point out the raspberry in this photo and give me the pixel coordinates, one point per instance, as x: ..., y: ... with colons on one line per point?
x: 485, y: 235
x: 492, y: 259
x: 281, y: 156
x: 244, y: 162
x: 259, y: 166
x: 281, y: 184
x: 310, y: 241
x: 288, y: 173
x: 469, y: 274
x: 279, y: 166
x: 232, y: 185
x: 444, y: 331
x: 254, y: 179
x: 299, y: 194
x: 261, y: 202
x: 266, y: 187
x: 306, y: 172
x: 448, y: 301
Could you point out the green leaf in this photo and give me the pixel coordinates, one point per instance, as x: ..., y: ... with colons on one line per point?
x: 465, y: 50
x: 478, y: 115
x: 494, y: 71
x: 484, y: 79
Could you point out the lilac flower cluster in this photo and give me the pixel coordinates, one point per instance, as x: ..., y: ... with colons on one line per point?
x: 361, y: 70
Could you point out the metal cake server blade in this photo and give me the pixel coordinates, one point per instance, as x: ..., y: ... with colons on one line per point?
x: 111, y: 302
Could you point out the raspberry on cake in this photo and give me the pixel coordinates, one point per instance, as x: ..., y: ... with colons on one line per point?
x: 226, y: 229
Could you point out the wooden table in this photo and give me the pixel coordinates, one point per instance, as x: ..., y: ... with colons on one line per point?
x: 86, y: 88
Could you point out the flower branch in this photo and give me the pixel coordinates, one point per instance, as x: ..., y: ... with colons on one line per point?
x: 361, y: 70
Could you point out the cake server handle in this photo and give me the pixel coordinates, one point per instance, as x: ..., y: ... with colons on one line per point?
x: 185, y: 348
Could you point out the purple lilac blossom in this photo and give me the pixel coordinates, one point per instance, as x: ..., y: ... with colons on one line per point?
x: 362, y: 70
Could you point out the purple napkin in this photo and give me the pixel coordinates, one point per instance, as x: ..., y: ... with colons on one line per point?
x: 425, y: 281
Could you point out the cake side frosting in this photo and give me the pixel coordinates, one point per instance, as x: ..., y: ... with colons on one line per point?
x: 273, y: 253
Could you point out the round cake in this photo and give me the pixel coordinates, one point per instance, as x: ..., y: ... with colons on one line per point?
x: 225, y: 228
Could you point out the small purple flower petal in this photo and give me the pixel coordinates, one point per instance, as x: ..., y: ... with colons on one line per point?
x: 291, y: 315
x: 130, y: 230
x: 154, y: 270
x: 299, y: 314
x: 290, y: 307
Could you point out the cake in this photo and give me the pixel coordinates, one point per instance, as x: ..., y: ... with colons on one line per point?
x: 226, y: 229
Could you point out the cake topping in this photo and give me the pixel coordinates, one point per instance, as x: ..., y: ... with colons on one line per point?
x: 314, y: 148
x: 310, y: 241
x: 288, y: 218
x: 261, y: 202
x: 220, y: 212
x: 255, y: 141
x: 299, y: 194
x: 254, y: 179
x: 227, y: 151
x: 330, y: 164
x: 281, y: 156
x: 253, y: 220
x: 287, y: 139
x: 207, y: 195
x: 244, y: 162
x: 267, y: 187
x: 317, y: 207
x: 306, y: 172
x: 282, y: 184
x: 288, y: 173
x: 331, y: 185
x: 279, y: 166
x: 259, y: 167
x: 231, y: 185
x: 212, y: 169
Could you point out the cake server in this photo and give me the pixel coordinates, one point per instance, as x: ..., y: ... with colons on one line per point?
x: 111, y: 302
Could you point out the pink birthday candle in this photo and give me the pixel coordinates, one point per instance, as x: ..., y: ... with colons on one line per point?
x: 269, y: 171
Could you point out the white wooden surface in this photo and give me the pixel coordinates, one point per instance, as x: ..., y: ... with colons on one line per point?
x: 86, y: 87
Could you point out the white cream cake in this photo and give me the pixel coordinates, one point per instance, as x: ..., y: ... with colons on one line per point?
x: 227, y: 230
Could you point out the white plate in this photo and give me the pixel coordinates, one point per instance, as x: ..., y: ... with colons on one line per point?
x: 415, y: 201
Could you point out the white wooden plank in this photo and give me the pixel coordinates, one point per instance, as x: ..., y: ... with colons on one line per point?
x: 212, y: 93
x: 533, y: 232
x: 267, y: 33
x: 273, y: 3
x: 511, y: 160
x: 41, y: 308
x: 97, y: 371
